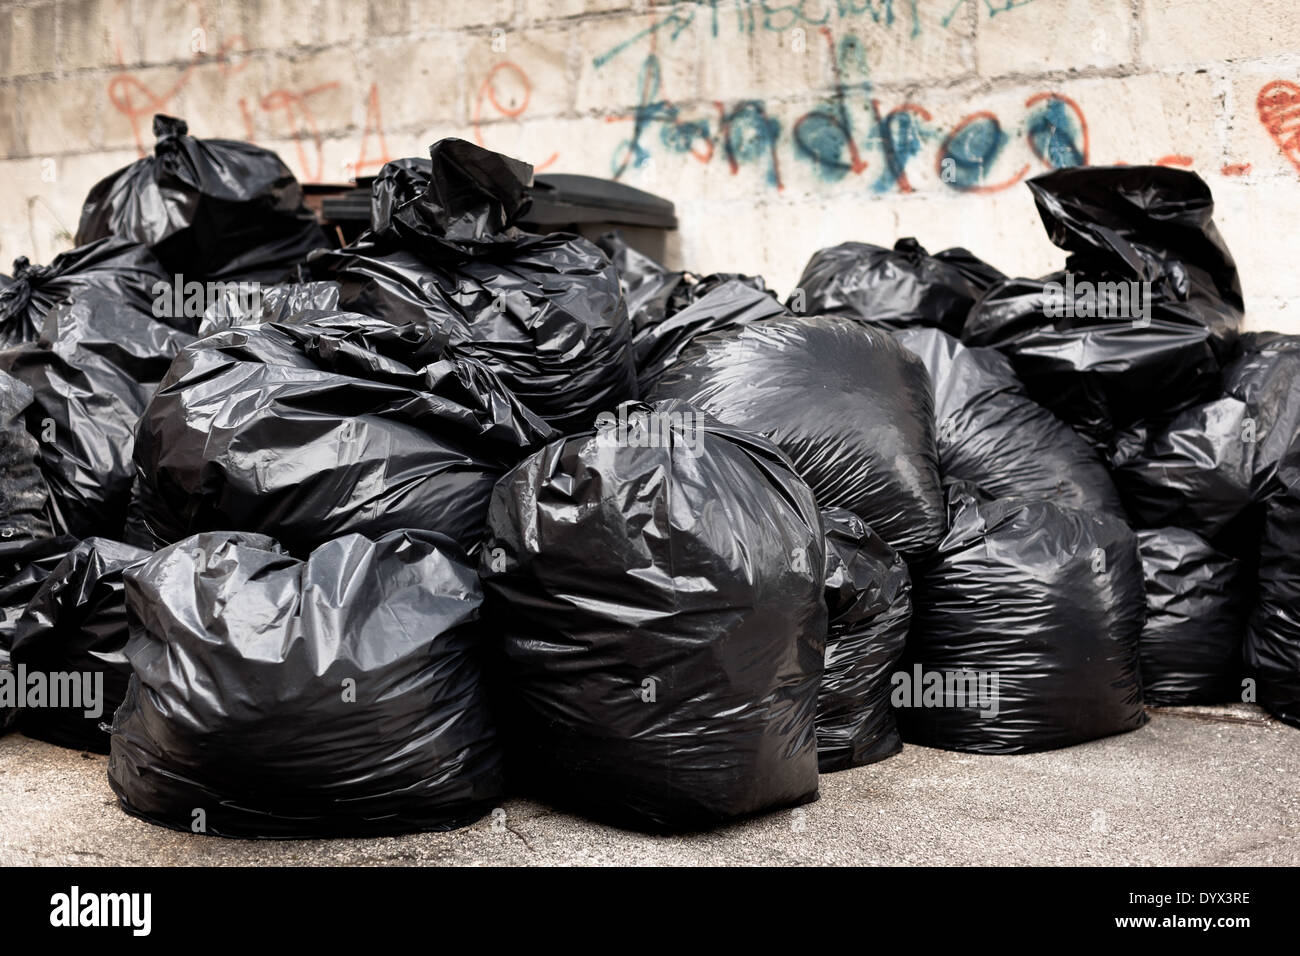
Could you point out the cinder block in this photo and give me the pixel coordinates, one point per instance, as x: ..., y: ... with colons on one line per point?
x: 536, y: 11
x: 1174, y: 32
x: 59, y: 115
x: 95, y: 33
x: 440, y: 15
x: 340, y: 21
x: 1262, y: 122
x: 1043, y: 37
x: 626, y: 61
x: 170, y: 32
x: 13, y: 136
x: 521, y: 74
x: 31, y: 40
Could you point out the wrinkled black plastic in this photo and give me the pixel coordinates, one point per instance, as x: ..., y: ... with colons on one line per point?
x: 897, y: 288
x: 992, y: 433
x: 23, y: 566
x: 1149, y: 225
x: 1204, y: 468
x: 274, y: 303
x: 668, y: 309
x: 1048, y: 599
x: 24, y: 494
x: 328, y: 424
x: 120, y: 269
x: 662, y: 620
x: 91, y: 375
x: 214, y: 209
x: 851, y: 407
x: 1273, y: 639
x: 1196, y: 619
x: 869, y: 603
x: 544, y: 312
x: 75, y: 624
x: 341, y: 695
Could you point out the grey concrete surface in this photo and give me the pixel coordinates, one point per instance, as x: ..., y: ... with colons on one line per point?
x: 1195, y: 786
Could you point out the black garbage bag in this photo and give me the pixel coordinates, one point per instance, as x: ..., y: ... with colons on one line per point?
x: 273, y: 303
x: 91, y: 374
x: 214, y: 209
x: 869, y: 603
x: 24, y: 494
x: 1273, y: 638
x: 851, y: 407
x: 658, y: 589
x: 23, y: 566
x: 328, y: 424
x: 1206, y: 467
x: 992, y: 433
x: 545, y: 313
x: 73, y: 633
x: 1025, y: 629
x: 1146, y: 314
x: 120, y: 269
x: 1196, y: 619
x: 272, y: 697
x: 668, y: 309
x: 896, y: 288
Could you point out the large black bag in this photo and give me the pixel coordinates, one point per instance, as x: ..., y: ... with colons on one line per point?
x: 273, y: 697
x: 23, y: 566
x: 851, y: 407
x: 120, y: 269
x: 273, y: 303
x: 1025, y: 629
x: 896, y: 288
x: 1196, y: 619
x: 329, y: 424
x: 91, y: 374
x: 658, y: 590
x: 24, y: 494
x: 214, y: 209
x: 75, y: 626
x: 1273, y: 638
x: 1149, y: 228
x: 992, y: 433
x: 1204, y: 469
x: 869, y: 603
x: 545, y: 313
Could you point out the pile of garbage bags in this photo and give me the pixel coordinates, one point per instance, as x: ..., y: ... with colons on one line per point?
x: 458, y: 511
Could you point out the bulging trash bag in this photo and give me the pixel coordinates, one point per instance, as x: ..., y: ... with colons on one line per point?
x: 896, y: 288
x: 329, y: 424
x: 273, y: 303
x: 1273, y: 638
x: 727, y: 306
x: 1146, y: 314
x: 209, y: 209
x: 91, y: 374
x: 1208, y: 465
x: 869, y: 603
x: 851, y: 407
x: 669, y: 309
x: 23, y: 566
x: 545, y: 313
x: 1025, y: 629
x: 992, y: 433
x: 658, y: 590
x: 340, y: 695
x: 73, y: 634
x: 1196, y: 619
x: 118, y: 268
x: 24, y: 494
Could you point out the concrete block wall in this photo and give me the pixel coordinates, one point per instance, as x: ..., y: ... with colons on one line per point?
x: 776, y: 127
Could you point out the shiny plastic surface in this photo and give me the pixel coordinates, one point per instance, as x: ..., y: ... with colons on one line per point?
x: 659, y: 608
